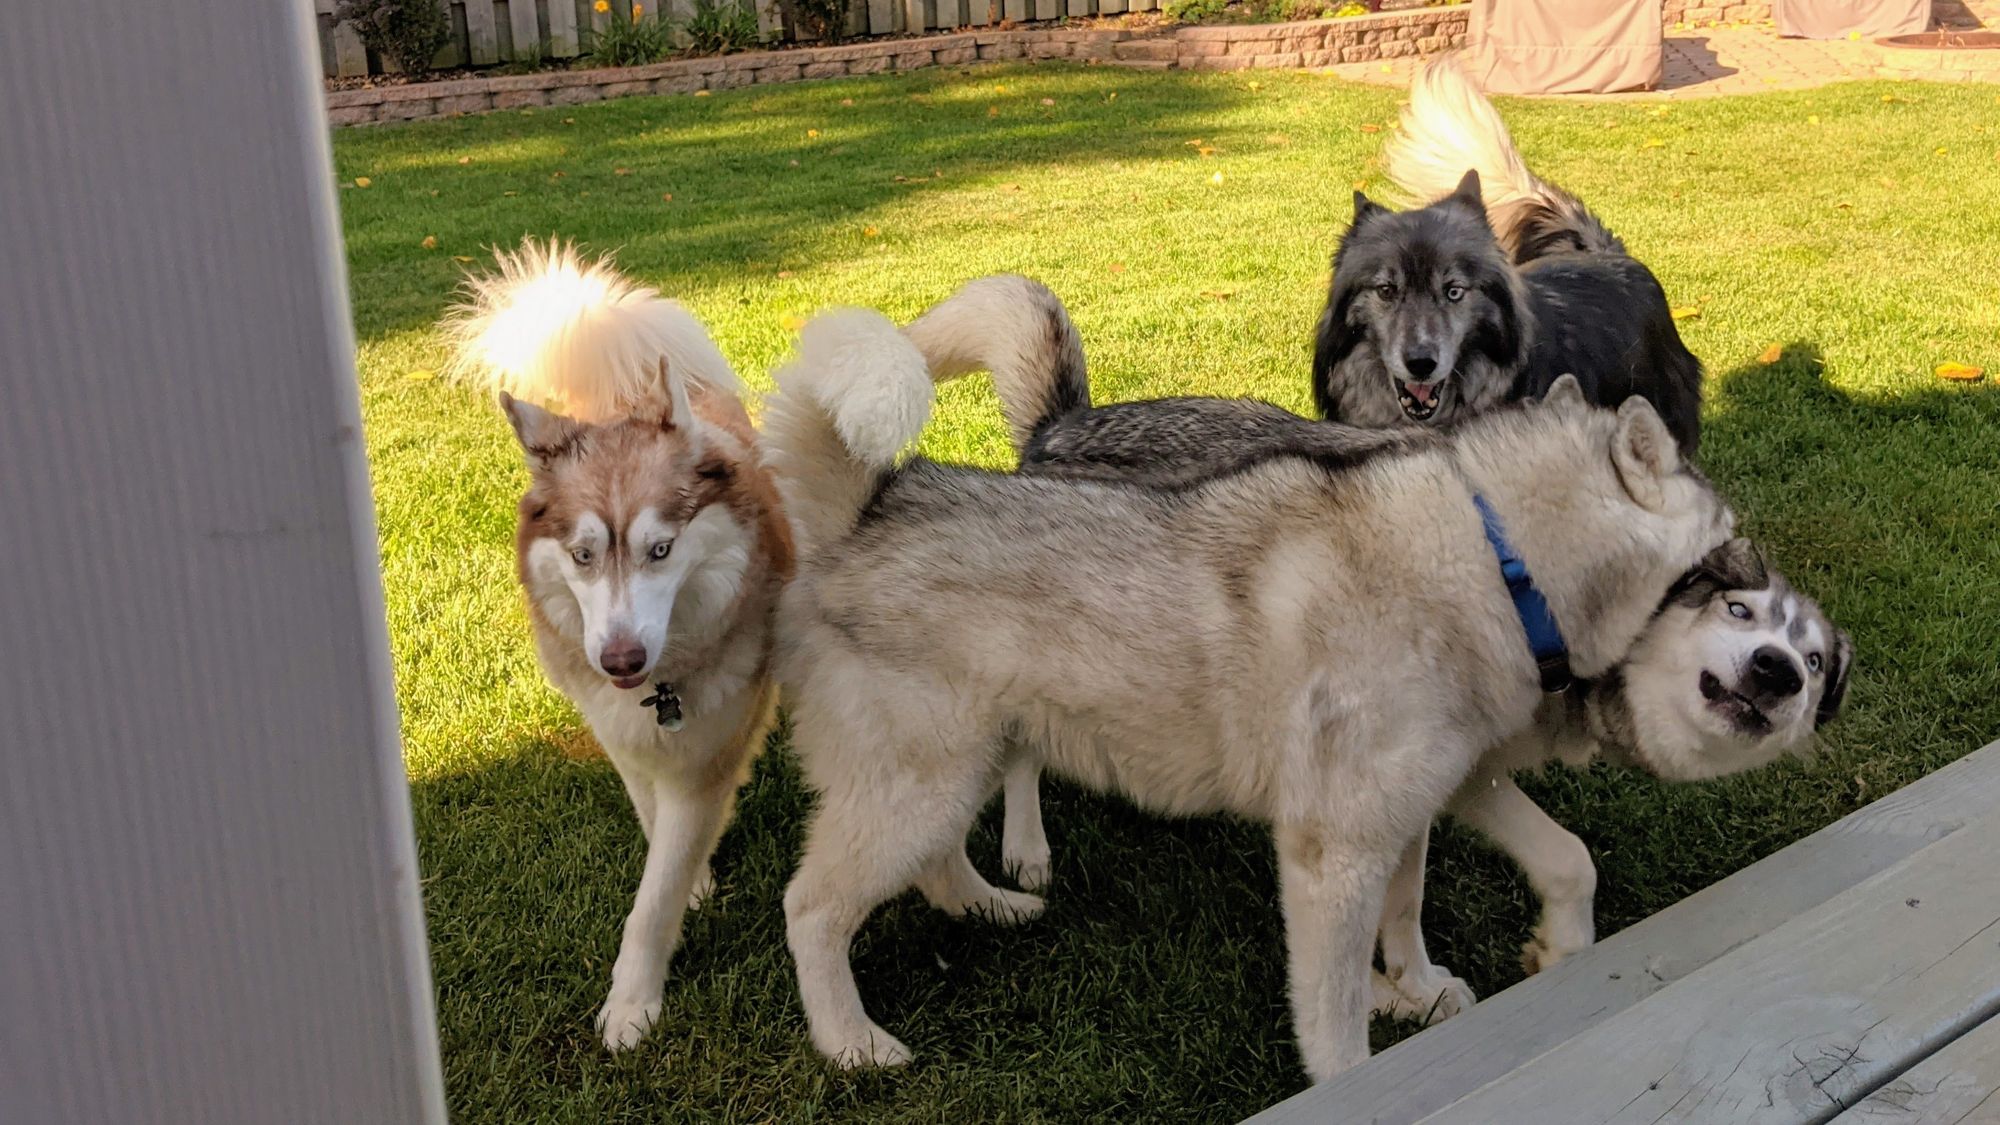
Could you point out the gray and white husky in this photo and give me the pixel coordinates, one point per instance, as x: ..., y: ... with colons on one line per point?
x: 1501, y: 284
x: 1247, y: 641
x: 1733, y: 670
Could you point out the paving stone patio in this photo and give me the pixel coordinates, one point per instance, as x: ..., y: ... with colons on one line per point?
x: 1741, y: 58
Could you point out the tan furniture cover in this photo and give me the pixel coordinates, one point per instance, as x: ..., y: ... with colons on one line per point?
x: 1564, y: 46
x: 1834, y: 19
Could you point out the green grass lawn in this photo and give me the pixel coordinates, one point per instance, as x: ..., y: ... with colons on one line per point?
x: 1187, y: 220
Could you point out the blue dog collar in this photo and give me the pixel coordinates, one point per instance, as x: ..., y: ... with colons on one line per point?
x: 1545, y: 639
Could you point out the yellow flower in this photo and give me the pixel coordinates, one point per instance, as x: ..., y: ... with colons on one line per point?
x: 602, y: 5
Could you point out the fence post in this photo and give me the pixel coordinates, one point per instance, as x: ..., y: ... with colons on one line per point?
x: 208, y: 907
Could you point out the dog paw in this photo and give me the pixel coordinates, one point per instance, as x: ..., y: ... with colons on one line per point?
x: 624, y: 1023
x: 1540, y: 954
x: 1030, y: 871
x: 872, y: 1048
x: 1006, y: 908
x: 704, y: 886
x: 1427, y: 997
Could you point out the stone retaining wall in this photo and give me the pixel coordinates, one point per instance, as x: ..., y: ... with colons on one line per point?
x: 1701, y: 13
x: 1310, y: 43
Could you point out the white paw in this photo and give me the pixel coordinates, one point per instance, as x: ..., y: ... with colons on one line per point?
x: 873, y: 1047
x: 1030, y: 870
x: 1006, y: 908
x: 704, y: 886
x: 1428, y: 996
x: 624, y: 1023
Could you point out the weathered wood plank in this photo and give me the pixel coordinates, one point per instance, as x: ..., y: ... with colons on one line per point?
x: 482, y: 35
x: 564, y: 43
x: 1017, y: 10
x: 915, y: 18
x: 1811, y: 1017
x: 770, y: 23
x: 1081, y: 7
x: 1110, y: 7
x: 1048, y: 9
x: 1958, y: 1083
x: 881, y: 16
x: 1144, y: 5
x: 1431, y: 1070
x: 950, y: 13
x: 350, y: 58
x: 526, y: 30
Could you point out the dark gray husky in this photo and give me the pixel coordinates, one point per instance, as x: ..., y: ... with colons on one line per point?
x: 1443, y: 311
x: 1733, y: 669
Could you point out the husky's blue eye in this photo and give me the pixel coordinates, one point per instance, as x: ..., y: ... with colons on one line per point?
x: 1454, y: 292
x: 1814, y: 662
x: 581, y: 556
x: 660, y: 550
x: 1739, y: 611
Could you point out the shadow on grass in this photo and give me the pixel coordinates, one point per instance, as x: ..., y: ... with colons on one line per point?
x: 760, y: 179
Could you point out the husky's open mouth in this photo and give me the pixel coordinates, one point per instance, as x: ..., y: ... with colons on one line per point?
x: 1732, y: 706
x: 627, y: 682
x: 1420, y: 400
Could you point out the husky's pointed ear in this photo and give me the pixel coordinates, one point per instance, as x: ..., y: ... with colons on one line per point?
x: 679, y: 414
x: 1467, y: 192
x: 1565, y: 393
x: 1837, y: 662
x: 1644, y: 453
x: 544, y: 435
x: 1365, y: 209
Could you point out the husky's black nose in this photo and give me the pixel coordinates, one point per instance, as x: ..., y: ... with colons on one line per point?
x: 1774, y: 673
x: 1420, y: 366
x: 622, y: 658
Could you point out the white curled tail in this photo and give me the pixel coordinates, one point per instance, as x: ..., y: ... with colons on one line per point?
x: 857, y: 394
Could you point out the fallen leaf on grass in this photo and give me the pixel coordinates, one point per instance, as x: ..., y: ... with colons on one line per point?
x: 430, y: 242
x: 460, y: 258
x: 992, y: 111
x: 1772, y: 354
x: 419, y: 376
x: 510, y: 194
x: 1048, y: 101
x: 1941, y: 150
x: 1371, y: 128
x: 870, y: 232
x: 847, y: 101
x: 1960, y: 372
x: 1118, y: 267
x: 362, y: 181
x: 783, y: 274
x: 557, y: 175
x: 791, y: 322
x: 1843, y: 206
x: 701, y: 93
x: 621, y: 171
x: 465, y: 160
x: 1685, y: 312
x: 811, y: 133
x: 1812, y: 119
x: 1653, y: 142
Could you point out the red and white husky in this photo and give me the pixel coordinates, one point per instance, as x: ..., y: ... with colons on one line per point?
x: 652, y: 545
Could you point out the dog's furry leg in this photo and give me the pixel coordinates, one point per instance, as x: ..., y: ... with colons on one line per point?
x: 1419, y: 990
x: 639, y: 787
x: 1332, y: 889
x: 1024, y: 846
x: 1557, y: 864
x: 686, y: 824
x: 953, y: 885
x: 878, y: 826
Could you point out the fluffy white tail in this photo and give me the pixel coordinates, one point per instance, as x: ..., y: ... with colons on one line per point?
x: 574, y: 335
x: 858, y: 393
x: 1449, y: 127
x: 1017, y: 329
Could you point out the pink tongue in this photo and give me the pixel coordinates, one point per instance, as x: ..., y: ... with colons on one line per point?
x: 1425, y: 393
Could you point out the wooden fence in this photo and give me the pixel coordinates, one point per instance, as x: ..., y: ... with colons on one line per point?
x: 489, y: 32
